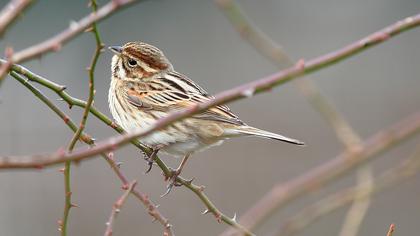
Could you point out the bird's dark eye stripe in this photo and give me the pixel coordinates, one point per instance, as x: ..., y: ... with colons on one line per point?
x: 124, y: 67
x: 173, y: 84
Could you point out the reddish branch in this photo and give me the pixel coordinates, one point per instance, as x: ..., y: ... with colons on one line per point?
x: 391, y: 230
x: 243, y: 91
x: 10, y: 12
x: 56, y: 42
x: 116, y: 208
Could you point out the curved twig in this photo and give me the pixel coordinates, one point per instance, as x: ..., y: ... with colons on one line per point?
x: 56, y: 42
x: 116, y: 208
x: 10, y: 12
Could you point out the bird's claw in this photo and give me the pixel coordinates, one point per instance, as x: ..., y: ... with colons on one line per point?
x: 173, y: 182
x: 151, y: 159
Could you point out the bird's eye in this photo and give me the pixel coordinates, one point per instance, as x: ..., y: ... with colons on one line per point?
x: 132, y: 62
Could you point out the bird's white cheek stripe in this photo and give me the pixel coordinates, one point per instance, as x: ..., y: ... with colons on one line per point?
x: 121, y: 71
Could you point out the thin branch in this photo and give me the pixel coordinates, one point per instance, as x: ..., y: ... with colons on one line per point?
x: 393, y: 176
x: 391, y: 230
x: 116, y: 208
x: 10, y: 12
x: 144, y: 199
x: 240, y: 92
x: 56, y: 42
x: 76, y: 136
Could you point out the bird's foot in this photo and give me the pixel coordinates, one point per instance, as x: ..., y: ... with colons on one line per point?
x: 173, y: 181
x: 151, y: 159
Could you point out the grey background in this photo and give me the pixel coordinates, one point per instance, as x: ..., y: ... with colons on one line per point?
x: 373, y: 90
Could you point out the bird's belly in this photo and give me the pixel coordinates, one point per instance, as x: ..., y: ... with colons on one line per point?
x: 177, y: 146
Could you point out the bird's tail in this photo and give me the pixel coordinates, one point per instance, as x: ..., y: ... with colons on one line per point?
x: 248, y: 130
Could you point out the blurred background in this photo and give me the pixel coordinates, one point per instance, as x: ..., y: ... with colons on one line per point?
x: 372, y: 90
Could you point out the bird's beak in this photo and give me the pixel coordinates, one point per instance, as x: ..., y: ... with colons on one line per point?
x: 116, y: 49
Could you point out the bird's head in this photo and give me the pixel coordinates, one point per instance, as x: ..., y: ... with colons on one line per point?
x: 138, y: 60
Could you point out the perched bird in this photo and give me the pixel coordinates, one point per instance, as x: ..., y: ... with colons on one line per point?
x: 145, y: 87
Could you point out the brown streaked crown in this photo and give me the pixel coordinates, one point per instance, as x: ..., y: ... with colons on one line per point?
x: 148, y: 54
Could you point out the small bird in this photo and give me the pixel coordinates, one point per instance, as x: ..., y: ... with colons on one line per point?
x: 145, y: 87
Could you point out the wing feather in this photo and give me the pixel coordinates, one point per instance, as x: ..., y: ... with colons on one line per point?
x: 175, y: 92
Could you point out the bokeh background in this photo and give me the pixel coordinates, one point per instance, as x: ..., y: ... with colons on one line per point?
x: 372, y: 90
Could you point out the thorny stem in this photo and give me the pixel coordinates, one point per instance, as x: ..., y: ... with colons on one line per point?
x: 144, y: 199
x: 391, y: 230
x: 10, y: 12
x: 344, y: 132
x: 76, y: 136
x: 116, y: 208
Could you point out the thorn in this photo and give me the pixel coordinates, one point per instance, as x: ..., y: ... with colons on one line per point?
x: 56, y: 47
x: 61, y: 170
x: 248, y: 92
x: 201, y: 188
x: 74, y: 205
x: 300, y: 64
x: 234, y: 217
x: 206, y: 211
x: 118, y: 164
x: 62, y: 88
x: 125, y: 187
x: 61, y: 151
x: 66, y: 119
x: 189, y: 181
x: 74, y: 25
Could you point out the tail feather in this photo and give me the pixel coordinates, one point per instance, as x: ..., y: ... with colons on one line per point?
x: 248, y: 130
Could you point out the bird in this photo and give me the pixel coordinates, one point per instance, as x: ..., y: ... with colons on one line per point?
x: 145, y: 87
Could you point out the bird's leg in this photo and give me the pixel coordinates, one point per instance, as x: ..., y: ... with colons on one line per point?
x: 174, y: 174
x: 151, y: 159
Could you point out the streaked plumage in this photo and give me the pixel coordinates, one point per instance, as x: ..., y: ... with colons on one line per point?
x: 145, y: 87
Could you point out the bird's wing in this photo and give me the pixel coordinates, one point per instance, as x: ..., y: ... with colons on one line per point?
x: 176, y: 92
